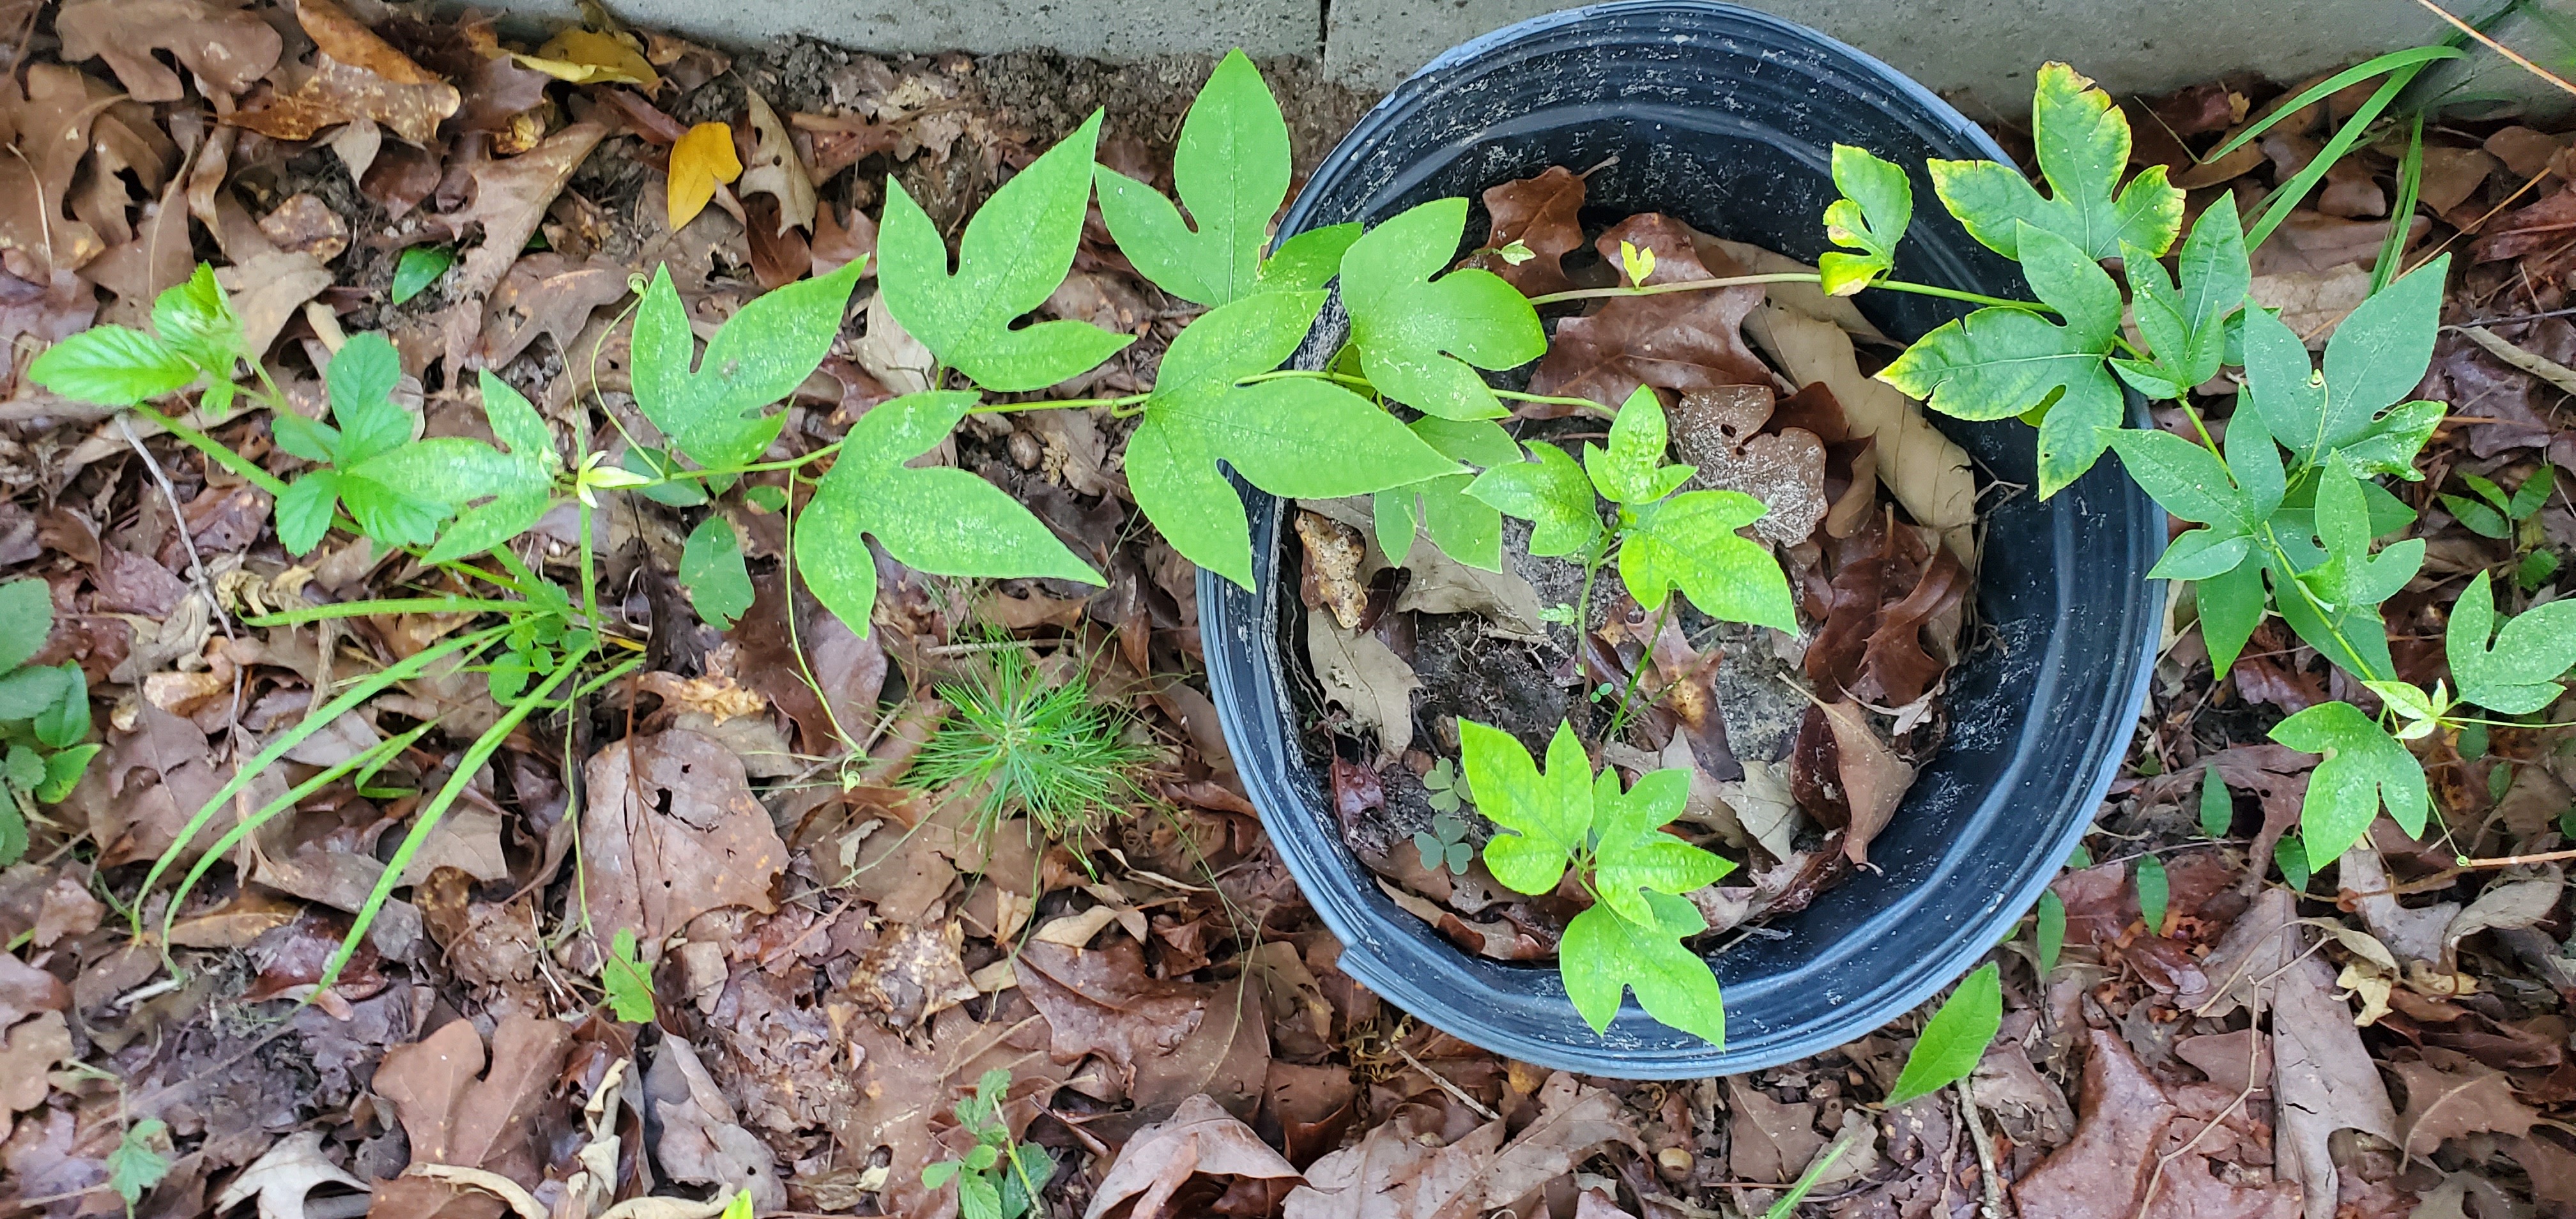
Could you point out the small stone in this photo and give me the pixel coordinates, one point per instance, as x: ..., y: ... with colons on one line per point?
x: 1676, y: 1162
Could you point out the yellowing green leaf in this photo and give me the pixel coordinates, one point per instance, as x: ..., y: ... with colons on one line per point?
x: 1877, y: 204
x: 2082, y: 141
x: 1689, y: 543
x: 590, y: 57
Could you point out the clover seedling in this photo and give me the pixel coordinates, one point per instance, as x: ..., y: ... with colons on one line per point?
x: 1448, y: 788
x: 1612, y: 842
x: 1445, y: 844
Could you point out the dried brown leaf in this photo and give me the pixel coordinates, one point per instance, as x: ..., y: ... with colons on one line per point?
x: 1541, y: 213
x: 227, y: 48
x: 1200, y: 1139
x: 1681, y: 341
x: 1722, y: 432
x: 510, y: 199
x: 355, y: 75
x: 672, y: 834
x: 456, y: 1114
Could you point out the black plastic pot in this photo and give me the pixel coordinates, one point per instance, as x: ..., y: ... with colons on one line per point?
x: 1725, y: 118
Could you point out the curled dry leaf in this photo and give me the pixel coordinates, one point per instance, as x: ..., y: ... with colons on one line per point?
x: 672, y: 832
x: 355, y: 75
x: 1365, y: 678
x: 1163, y: 1040
x: 1543, y: 214
x: 1442, y: 585
x: 1402, y: 1168
x: 1200, y: 1139
x: 304, y: 224
x: 1926, y: 472
x: 1721, y: 431
x: 283, y: 1175
x: 703, y: 1142
x: 1849, y: 761
x: 2323, y: 1079
x: 1333, y: 579
x: 225, y: 47
x: 456, y: 1115
x: 549, y: 294
x: 773, y: 168
x: 2450, y: 1095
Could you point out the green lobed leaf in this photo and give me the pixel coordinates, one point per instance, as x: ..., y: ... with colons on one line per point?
x: 1876, y: 206
x: 111, y: 366
x: 26, y: 617
x: 1626, y: 471
x: 2082, y: 142
x: 2519, y: 673
x: 2363, y: 769
x: 1550, y: 492
x: 712, y: 570
x: 2351, y: 576
x: 1954, y: 1040
x: 1297, y: 437
x: 1998, y: 363
x: 1632, y: 853
x: 713, y: 407
x: 940, y: 520
x: 137, y: 1163
x: 2376, y: 357
x: 1014, y: 254
x: 1464, y: 528
x: 1603, y: 955
x: 196, y: 319
x: 1231, y: 170
x: 2188, y: 480
x: 2338, y: 634
x: 1421, y: 339
x: 521, y: 502
x: 2186, y: 329
x: 1548, y: 816
x: 1308, y: 260
x: 1689, y: 543
x: 627, y: 980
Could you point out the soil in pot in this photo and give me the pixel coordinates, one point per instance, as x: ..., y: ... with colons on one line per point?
x: 1800, y: 747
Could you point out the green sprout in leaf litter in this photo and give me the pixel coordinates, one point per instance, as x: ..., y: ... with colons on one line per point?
x: 1445, y: 844
x: 998, y: 1178
x: 1447, y: 786
x: 1613, y: 843
x: 44, y: 715
x: 627, y: 980
x: 1022, y: 746
x: 1955, y: 1039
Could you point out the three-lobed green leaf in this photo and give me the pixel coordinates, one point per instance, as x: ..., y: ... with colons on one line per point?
x: 713, y: 408
x: 2517, y: 674
x: 1014, y: 254
x: 713, y: 573
x: 2186, y: 327
x: 1877, y: 204
x: 2082, y: 141
x: 1603, y: 954
x: 2354, y: 406
x: 1689, y: 543
x: 1550, y: 492
x: 940, y: 519
x: 2364, y: 768
x: 1465, y: 528
x: 1997, y: 362
x: 525, y: 483
x: 1231, y: 170
x: 1422, y: 339
x: 1547, y: 815
x: 1295, y: 437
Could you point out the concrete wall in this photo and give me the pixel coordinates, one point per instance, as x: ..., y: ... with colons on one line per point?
x: 1979, y: 52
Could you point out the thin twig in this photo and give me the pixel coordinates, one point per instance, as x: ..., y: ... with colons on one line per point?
x: 178, y: 521
x: 2511, y: 861
x: 2497, y: 47
x: 2253, y: 1048
x: 1994, y: 1205
x: 1448, y: 1087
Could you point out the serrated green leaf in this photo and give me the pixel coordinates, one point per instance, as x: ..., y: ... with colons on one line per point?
x: 1689, y: 543
x: 1876, y: 206
x: 532, y: 464
x: 66, y: 723
x: 2217, y: 808
x: 401, y: 497
x: 713, y: 407
x: 1296, y: 437
x: 936, y: 1174
x: 418, y: 268
x: 1954, y: 1040
x: 111, y: 366
x: 2082, y: 141
x: 1550, y: 492
x: 304, y: 511
x: 309, y: 439
x: 26, y: 693
x: 26, y: 617
x: 22, y: 768
x: 2363, y: 769
x: 2519, y: 673
x: 1998, y: 363
x: 196, y: 319
x: 1548, y: 815
x: 627, y: 980
x: 1308, y: 260
x: 361, y: 380
x: 137, y: 1163
x: 712, y: 570
x: 978, y: 1198
x: 940, y: 520
x: 1421, y: 339
x: 1603, y: 955
x: 1014, y: 254
x: 2376, y: 357
x: 1231, y: 170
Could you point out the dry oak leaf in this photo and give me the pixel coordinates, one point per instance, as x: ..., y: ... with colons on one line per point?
x: 1399, y: 1171
x: 702, y: 1142
x: 1366, y: 678
x: 1200, y: 1139
x: 1874, y: 779
x: 457, y: 1115
x: 1163, y: 1040
x: 283, y: 1175
x: 53, y: 119
x: 1541, y: 213
x: 673, y: 831
x: 2323, y: 1079
x: 546, y: 293
x: 702, y: 157
x: 1681, y: 341
x: 510, y: 198
x: 1766, y: 1139
x: 225, y: 47
x: 1720, y: 431
x: 27, y: 1057
x: 1926, y: 471
x: 2450, y: 1095
x: 355, y: 75
x: 2105, y: 1172
x: 775, y: 170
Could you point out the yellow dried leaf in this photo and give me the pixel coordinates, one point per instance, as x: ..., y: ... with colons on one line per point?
x: 701, y: 159
x: 588, y: 57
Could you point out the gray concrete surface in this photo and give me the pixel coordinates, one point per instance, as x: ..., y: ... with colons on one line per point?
x: 1978, y: 52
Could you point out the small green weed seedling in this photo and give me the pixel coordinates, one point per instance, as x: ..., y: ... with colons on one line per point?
x: 44, y: 715
x: 2511, y: 517
x: 1445, y: 844
x: 1955, y: 1038
x: 627, y: 980
x: 1024, y: 746
x: 999, y: 1178
x: 1565, y: 821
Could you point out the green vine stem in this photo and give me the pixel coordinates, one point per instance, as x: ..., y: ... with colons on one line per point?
x: 1784, y: 277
